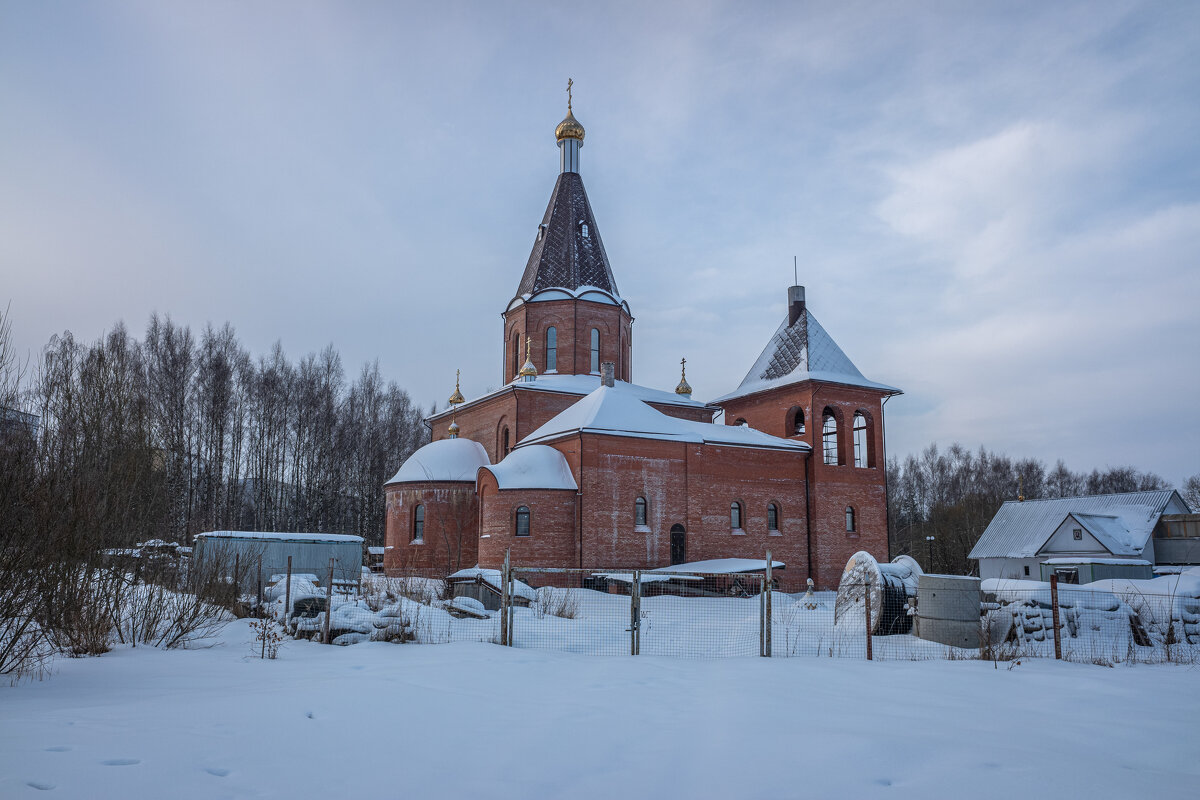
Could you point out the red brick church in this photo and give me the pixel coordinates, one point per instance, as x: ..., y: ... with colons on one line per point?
x: 572, y: 464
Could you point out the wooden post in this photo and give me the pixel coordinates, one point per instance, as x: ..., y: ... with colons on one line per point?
x: 635, y: 612
x: 287, y: 595
x: 867, y: 606
x: 504, y: 601
x: 767, y: 607
x: 328, y: 603
x: 1054, y: 611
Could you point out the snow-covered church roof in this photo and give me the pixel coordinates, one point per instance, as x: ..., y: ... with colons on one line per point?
x: 579, y: 385
x: 444, y: 460
x: 802, y: 351
x: 535, y: 466
x: 618, y: 411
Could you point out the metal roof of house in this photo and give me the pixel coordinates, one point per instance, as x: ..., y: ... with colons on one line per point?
x: 1124, y: 521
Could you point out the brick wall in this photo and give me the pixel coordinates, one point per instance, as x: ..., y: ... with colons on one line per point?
x: 832, y: 487
x: 573, y: 320
x: 451, y: 539
x: 552, y: 540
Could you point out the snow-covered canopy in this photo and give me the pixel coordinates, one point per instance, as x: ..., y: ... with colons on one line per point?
x: 491, y: 577
x: 802, y: 351
x: 716, y: 566
x: 281, y: 536
x: 536, y: 466
x: 444, y: 460
x: 1122, y: 523
x: 618, y: 411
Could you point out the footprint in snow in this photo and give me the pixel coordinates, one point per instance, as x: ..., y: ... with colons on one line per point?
x: 61, y: 748
x: 121, y: 762
x: 883, y: 782
x: 309, y: 715
x: 40, y: 785
x: 220, y: 772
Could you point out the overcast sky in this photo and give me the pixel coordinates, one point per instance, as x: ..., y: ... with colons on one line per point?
x: 995, y: 207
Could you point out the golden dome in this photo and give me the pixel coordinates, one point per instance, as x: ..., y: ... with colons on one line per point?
x: 684, y: 387
x: 453, y: 430
x: 529, y: 370
x: 569, y: 128
x: 457, y: 397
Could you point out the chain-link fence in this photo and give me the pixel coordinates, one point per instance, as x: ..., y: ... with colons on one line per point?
x: 630, y: 612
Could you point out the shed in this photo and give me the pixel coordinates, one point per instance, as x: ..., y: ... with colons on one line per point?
x: 262, y: 554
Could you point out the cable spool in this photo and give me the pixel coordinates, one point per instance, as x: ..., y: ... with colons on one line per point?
x: 886, y: 586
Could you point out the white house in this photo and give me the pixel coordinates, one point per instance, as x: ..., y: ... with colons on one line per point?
x: 1119, y: 531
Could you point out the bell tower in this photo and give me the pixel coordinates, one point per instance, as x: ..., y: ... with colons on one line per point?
x: 567, y: 304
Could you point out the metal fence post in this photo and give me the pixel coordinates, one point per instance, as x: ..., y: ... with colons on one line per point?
x: 635, y: 613
x: 1054, y: 611
x: 328, y: 603
x: 512, y: 613
x: 867, y: 606
x: 762, y: 620
x: 767, y: 607
x: 505, y: 601
x: 287, y: 594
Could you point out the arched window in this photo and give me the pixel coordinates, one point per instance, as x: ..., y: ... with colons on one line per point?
x: 797, y: 421
x: 860, y: 440
x: 584, y: 229
x: 639, y: 511
x: 850, y: 519
x: 772, y: 517
x: 418, y: 530
x: 735, y: 515
x: 516, y: 353
x: 595, y: 366
x: 523, y: 521
x: 504, y: 442
x: 551, y: 349
x: 829, y: 442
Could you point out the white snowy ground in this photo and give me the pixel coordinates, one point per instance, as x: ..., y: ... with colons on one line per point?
x: 452, y: 720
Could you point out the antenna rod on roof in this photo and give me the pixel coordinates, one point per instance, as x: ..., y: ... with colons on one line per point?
x: 795, y: 272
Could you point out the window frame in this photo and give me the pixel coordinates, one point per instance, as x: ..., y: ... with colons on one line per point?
x: 523, y: 511
x: 772, y: 518
x: 594, y: 352
x: 830, y: 455
x: 417, y: 532
x: 551, y: 349
x: 737, y: 516
x: 851, y: 520
x: 640, y: 512
x: 861, y: 445
x: 797, y: 421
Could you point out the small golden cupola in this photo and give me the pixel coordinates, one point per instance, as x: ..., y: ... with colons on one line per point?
x: 528, y: 372
x: 455, y: 401
x: 684, y: 388
x: 569, y: 135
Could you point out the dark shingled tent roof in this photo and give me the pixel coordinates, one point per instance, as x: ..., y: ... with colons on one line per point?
x: 563, y: 257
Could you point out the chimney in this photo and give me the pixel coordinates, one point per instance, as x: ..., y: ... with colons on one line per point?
x: 795, y: 304
x: 606, y: 373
